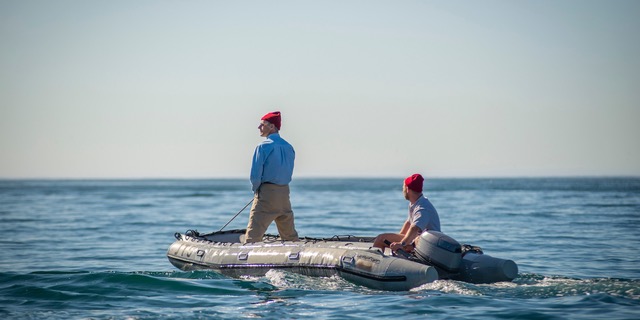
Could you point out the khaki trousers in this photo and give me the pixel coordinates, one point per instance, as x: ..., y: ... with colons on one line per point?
x: 271, y: 203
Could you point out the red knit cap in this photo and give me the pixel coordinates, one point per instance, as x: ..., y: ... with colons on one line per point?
x: 273, y: 117
x: 414, y: 182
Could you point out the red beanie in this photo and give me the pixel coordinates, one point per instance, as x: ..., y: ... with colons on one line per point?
x: 273, y: 117
x: 414, y: 182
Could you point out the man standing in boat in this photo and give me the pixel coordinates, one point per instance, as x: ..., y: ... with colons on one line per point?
x: 271, y: 172
x: 422, y: 216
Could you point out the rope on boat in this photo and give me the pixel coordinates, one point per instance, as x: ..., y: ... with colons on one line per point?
x: 196, y: 236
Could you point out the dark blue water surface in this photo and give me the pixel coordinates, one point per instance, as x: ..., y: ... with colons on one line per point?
x: 97, y: 249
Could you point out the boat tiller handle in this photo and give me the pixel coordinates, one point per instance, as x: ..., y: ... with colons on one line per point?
x: 399, y: 251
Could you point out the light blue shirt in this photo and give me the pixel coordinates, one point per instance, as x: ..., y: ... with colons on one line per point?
x: 423, y: 215
x: 272, y: 162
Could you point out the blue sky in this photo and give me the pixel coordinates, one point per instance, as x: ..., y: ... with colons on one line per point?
x: 157, y: 89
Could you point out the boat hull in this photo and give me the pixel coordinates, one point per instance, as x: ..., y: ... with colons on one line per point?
x: 352, y: 258
x: 353, y: 261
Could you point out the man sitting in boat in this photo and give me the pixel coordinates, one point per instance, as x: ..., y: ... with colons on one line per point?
x: 422, y: 216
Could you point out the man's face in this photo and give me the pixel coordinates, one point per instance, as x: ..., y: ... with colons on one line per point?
x: 405, y: 191
x: 265, y: 128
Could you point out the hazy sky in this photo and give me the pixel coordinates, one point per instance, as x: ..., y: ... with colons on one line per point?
x: 131, y: 89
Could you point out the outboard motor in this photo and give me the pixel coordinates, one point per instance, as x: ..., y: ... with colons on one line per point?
x: 438, y: 249
x: 446, y: 254
x: 481, y: 268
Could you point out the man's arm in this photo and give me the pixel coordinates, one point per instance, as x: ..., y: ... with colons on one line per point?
x: 257, y: 165
x: 405, y: 227
x: 412, y: 233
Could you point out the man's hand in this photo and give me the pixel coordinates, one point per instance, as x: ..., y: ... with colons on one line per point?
x: 397, y: 245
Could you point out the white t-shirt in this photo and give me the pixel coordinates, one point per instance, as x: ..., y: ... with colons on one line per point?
x: 423, y: 215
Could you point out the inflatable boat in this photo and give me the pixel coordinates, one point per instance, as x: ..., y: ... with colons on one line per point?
x: 436, y: 256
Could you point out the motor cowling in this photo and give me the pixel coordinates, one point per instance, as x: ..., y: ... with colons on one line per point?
x: 440, y: 250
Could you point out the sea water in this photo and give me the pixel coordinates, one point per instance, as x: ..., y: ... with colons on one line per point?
x: 97, y: 249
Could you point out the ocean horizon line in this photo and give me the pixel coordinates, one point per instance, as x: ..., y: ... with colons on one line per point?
x: 311, y: 177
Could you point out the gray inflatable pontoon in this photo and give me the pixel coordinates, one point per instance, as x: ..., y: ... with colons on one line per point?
x: 436, y: 256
